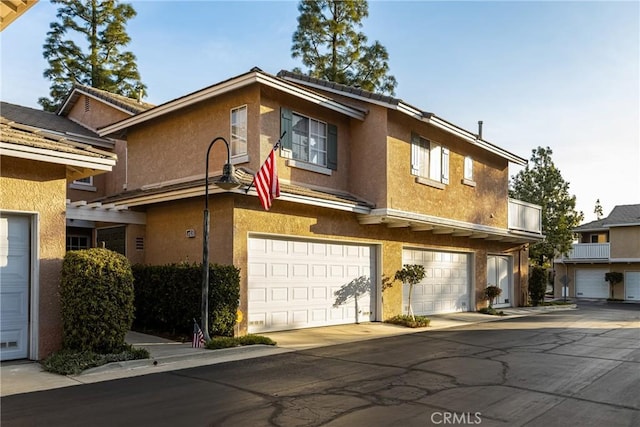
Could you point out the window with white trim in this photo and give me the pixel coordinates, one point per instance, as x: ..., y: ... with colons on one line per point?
x: 468, y: 168
x: 429, y: 160
x: 309, y: 140
x: 84, y: 181
x: 239, y: 131
x: 75, y: 242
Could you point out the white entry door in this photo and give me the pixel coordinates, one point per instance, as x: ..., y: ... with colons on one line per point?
x: 591, y: 284
x: 14, y: 287
x: 445, y: 288
x: 499, y: 274
x: 632, y: 285
x: 293, y: 283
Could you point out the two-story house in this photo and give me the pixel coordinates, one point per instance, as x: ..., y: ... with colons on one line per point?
x: 368, y: 183
x: 607, y: 245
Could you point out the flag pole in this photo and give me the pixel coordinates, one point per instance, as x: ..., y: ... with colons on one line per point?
x: 275, y: 147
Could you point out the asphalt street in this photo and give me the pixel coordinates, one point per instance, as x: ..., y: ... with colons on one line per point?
x: 569, y: 368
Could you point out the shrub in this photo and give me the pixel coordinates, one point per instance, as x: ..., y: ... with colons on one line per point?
x: 168, y: 298
x: 410, y: 321
x: 537, y: 284
x: 96, y: 294
x: 227, y: 342
x: 490, y: 293
x: 411, y: 274
x: 492, y: 311
x: 71, y: 362
x: 613, y: 277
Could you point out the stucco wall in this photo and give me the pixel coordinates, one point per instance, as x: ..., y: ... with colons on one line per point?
x: 40, y: 187
x: 625, y: 242
x: 486, y: 203
x: 167, y: 222
x: 175, y: 146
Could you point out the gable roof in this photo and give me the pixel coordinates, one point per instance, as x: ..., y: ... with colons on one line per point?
x: 401, y: 106
x: 39, y: 135
x: 620, y: 216
x: 255, y: 75
x: 128, y: 105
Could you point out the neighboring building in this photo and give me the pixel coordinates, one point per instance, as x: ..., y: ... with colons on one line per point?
x: 606, y: 245
x: 40, y: 153
x: 368, y: 183
x: 92, y: 224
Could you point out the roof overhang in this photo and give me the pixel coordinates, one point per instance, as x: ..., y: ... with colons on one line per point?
x: 228, y: 86
x: 57, y: 157
x: 394, y: 218
x: 10, y: 10
x: 424, y: 116
x: 97, y: 212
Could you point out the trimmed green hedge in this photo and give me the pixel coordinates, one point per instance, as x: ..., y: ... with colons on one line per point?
x: 537, y: 284
x: 96, y: 294
x: 168, y: 298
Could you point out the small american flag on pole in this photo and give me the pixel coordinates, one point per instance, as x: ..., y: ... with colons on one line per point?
x: 198, y: 336
x: 266, y: 180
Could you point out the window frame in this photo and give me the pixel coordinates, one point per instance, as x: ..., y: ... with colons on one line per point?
x: 429, y: 161
x: 235, y: 137
x: 308, y: 138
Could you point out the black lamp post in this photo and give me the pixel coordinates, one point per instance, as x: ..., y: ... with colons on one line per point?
x: 227, y: 182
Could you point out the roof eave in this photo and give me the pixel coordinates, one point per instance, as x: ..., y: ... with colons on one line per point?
x: 225, y: 87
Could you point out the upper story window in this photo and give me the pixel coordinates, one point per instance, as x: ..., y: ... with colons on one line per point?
x: 311, y: 141
x: 83, y: 184
x: 429, y: 160
x: 468, y: 168
x: 239, y: 131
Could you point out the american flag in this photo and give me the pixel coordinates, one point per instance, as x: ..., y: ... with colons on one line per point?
x: 198, y: 336
x: 266, y: 180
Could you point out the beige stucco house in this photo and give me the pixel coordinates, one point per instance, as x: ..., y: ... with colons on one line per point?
x: 40, y: 154
x: 607, y: 245
x: 368, y: 183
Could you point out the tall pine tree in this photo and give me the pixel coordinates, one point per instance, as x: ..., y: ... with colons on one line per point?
x: 328, y: 42
x: 100, y: 61
x: 542, y: 184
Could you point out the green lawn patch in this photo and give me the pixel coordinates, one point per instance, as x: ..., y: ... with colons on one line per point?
x: 70, y: 362
x: 228, y: 342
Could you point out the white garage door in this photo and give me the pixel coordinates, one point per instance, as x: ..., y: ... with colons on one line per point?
x: 632, y: 285
x: 445, y: 288
x: 293, y: 283
x: 591, y: 284
x: 14, y: 287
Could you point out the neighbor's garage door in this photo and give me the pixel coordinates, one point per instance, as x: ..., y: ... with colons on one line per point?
x: 14, y: 287
x: 632, y: 285
x: 292, y: 283
x: 591, y: 284
x: 445, y: 288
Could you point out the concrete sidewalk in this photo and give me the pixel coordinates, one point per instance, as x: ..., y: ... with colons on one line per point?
x: 26, y: 376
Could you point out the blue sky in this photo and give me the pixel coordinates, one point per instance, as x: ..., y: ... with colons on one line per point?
x: 559, y: 74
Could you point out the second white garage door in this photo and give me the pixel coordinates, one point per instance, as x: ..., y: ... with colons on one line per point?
x: 632, y: 285
x: 445, y: 288
x: 292, y: 283
x: 591, y: 284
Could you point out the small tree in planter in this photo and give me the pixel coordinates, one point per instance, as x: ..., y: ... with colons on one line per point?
x: 411, y: 274
x: 491, y: 292
x: 613, y: 277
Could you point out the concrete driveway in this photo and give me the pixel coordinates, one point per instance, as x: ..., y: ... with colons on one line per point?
x: 570, y: 368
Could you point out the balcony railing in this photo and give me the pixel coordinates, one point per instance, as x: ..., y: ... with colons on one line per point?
x: 525, y: 216
x: 589, y: 251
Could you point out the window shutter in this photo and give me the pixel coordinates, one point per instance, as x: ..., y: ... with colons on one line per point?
x: 415, y: 154
x: 285, y: 126
x: 332, y: 147
x: 445, y: 165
